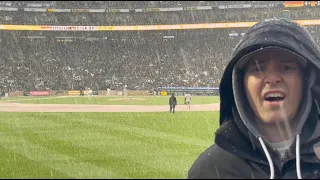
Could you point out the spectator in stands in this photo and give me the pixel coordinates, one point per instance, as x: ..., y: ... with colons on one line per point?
x: 269, y: 111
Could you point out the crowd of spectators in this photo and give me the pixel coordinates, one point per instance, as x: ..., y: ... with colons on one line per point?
x: 150, y: 18
x: 141, y: 59
x: 117, y: 4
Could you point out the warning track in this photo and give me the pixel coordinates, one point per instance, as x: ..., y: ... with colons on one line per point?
x: 17, y: 107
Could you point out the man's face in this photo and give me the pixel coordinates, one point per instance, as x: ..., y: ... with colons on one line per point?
x: 273, y: 85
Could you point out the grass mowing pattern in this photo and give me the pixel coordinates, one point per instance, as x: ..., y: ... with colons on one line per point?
x: 115, y: 100
x: 103, y: 145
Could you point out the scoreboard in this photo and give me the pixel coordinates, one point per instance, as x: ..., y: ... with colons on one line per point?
x: 296, y: 4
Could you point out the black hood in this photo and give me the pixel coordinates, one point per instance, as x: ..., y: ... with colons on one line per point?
x: 282, y: 34
x: 279, y: 33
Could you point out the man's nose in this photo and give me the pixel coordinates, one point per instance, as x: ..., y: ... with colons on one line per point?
x: 271, y: 77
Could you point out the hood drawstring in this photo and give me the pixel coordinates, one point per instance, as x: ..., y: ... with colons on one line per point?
x: 266, y: 152
x: 318, y: 107
x: 298, y: 156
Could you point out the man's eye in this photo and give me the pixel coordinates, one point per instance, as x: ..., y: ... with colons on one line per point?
x: 257, y: 69
x: 288, y: 68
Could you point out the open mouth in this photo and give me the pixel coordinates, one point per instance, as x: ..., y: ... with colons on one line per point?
x: 274, y: 97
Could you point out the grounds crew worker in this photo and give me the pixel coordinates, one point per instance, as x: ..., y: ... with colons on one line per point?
x: 270, y: 108
x: 172, y: 103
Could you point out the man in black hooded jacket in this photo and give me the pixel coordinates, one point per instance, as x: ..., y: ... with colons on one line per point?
x: 270, y: 108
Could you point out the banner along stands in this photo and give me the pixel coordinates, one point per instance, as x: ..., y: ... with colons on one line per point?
x: 39, y: 93
x: 144, y: 27
x: 73, y: 92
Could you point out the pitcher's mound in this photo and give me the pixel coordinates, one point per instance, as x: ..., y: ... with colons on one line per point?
x: 127, y: 99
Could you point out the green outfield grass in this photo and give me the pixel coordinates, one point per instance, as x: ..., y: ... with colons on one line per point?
x: 113, y: 100
x: 103, y: 145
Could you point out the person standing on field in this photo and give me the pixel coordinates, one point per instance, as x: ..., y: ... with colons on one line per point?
x: 187, y: 100
x: 172, y: 103
x: 81, y: 91
x: 108, y: 91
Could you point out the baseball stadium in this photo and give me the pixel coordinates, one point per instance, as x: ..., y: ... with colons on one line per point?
x: 85, y: 84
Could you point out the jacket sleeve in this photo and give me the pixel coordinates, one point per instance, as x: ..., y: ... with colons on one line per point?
x: 214, y: 163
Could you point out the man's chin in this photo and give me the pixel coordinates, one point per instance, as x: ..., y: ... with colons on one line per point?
x: 274, y: 120
x: 271, y: 117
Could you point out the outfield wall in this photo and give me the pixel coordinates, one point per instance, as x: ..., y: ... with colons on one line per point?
x: 177, y: 91
x: 76, y: 93
x: 16, y: 93
x: 100, y: 93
